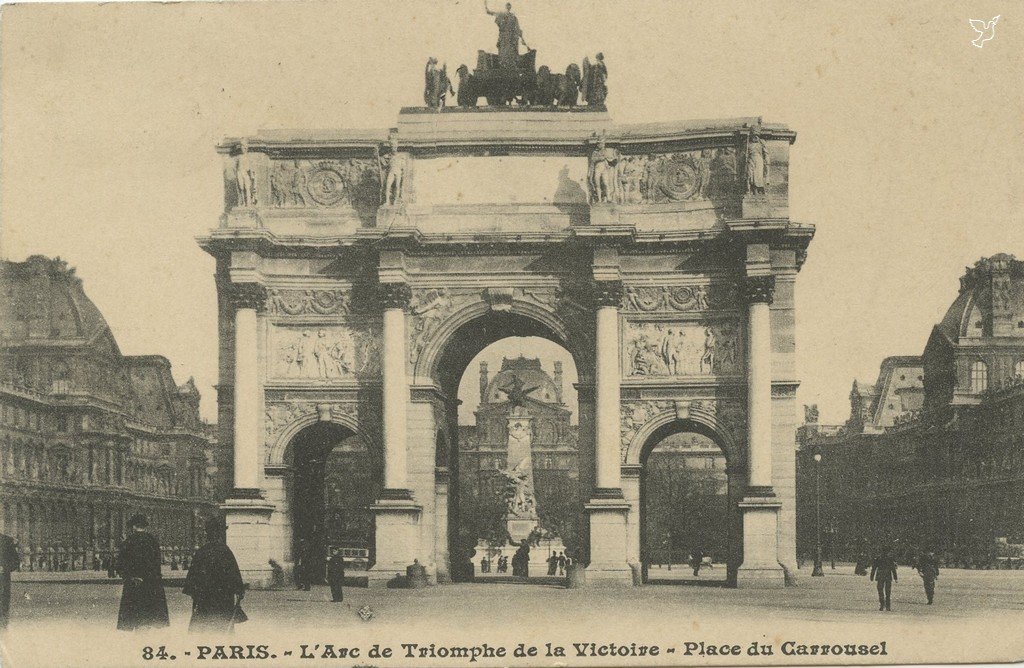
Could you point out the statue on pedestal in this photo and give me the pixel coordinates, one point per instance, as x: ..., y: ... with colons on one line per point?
x: 509, y: 35
x: 595, y: 78
x: 758, y: 165
x: 436, y: 85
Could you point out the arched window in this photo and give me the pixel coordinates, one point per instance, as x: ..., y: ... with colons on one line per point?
x: 979, y: 376
x: 1018, y: 370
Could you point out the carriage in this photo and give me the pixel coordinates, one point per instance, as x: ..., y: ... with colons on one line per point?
x: 499, y: 85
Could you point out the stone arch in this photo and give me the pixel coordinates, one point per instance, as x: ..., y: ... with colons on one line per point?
x: 699, y: 420
x: 278, y: 454
x: 551, y: 326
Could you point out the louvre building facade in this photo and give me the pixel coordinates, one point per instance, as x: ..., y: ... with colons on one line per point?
x: 89, y: 436
x: 932, y: 457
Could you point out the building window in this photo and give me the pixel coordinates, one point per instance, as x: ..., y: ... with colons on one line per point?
x: 979, y: 377
x: 1018, y: 370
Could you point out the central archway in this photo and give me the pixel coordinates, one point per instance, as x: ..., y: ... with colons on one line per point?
x: 689, y: 525
x: 333, y: 484
x: 447, y: 362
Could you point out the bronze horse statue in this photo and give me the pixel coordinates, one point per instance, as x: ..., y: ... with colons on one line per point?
x: 560, y: 90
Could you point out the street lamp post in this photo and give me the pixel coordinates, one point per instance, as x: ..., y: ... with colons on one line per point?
x: 817, y: 572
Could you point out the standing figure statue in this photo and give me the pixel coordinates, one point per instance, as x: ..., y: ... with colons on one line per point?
x: 758, y: 165
x: 436, y: 85
x: 707, y: 360
x: 509, y: 36
x: 595, y: 78
x: 394, y: 185
x: 604, y: 173
x: 245, y: 177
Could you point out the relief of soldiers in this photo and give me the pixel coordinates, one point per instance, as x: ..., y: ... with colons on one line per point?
x: 707, y: 360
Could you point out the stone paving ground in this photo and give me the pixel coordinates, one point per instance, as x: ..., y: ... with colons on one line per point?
x: 978, y: 615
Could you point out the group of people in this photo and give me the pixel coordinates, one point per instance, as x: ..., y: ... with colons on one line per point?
x: 557, y: 563
x: 213, y: 582
x: 500, y: 567
x: 307, y: 567
x: 883, y: 574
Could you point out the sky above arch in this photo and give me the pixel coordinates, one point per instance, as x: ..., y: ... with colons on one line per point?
x: 908, y: 156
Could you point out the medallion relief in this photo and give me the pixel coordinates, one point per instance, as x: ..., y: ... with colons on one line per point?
x: 355, y: 182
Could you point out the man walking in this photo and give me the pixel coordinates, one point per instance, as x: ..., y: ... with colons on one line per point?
x: 10, y: 561
x: 214, y: 583
x: 928, y: 568
x: 561, y: 563
x: 883, y: 573
x: 336, y: 574
x: 302, y: 566
x: 143, y: 603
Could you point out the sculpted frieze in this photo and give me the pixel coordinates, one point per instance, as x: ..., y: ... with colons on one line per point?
x: 635, y: 414
x: 678, y: 298
x: 681, y: 176
x: 353, y: 182
x: 279, y: 416
x: 331, y: 353
x: 428, y: 308
x: 309, y: 302
x: 681, y: 349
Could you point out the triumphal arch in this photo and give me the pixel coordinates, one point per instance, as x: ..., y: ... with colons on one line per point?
x: 360, y: 272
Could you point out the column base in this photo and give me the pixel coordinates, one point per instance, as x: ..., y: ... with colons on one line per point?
x: 397, y: 528
x: 251, y: 538
x: 760, y: 568
x: 609, y: 564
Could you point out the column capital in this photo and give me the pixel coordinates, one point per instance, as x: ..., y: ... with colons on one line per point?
x: 395, y: 295
x: 608, y: 293
x: 247, y: 295
x: 758, y: 289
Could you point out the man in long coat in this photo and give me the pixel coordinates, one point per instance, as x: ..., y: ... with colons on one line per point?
x: 10, y: 561
x: 214, y: 583
x: 143, y: 603
x: 336, y: 575
x: 928, y: 567
x: 883, y: 572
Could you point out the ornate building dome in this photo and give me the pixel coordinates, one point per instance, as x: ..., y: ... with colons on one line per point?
x: 536, y: 383
x: 991, y: 300
x: 43, y: 302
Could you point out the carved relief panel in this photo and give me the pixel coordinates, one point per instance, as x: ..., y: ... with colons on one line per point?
x: 355, y: 182
x: 677, y: 177
x: 318, y: 353
x: 681, y: 349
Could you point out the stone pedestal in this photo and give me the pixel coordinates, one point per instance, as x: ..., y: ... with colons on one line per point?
x: 760, y: 206
x: 760, y: 568
x: 251, y: 538
x: 397, y: 527
x: 608, y: 538
x: 604, y: 214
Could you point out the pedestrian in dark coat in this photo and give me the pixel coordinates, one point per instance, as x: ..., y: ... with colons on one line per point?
x: 883, y: 572
x: 302, y: 566
x: 10, y: 561
x: 928, y: 567
x: 552, y: 564
x: 214, y: 583
x: 143, y: 603
x: 336, y: 574
x: 561, y: 563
